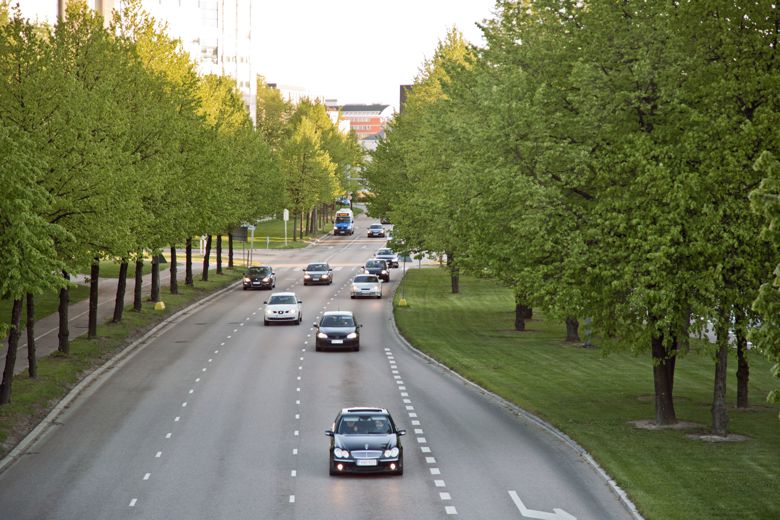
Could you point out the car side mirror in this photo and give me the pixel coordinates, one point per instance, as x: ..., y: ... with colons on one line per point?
x: 401, y: 432
x: 316, y: 325
x: 360, y: 326
x: 265, y: 302
x: 329, y: 433
x: 299, y: 301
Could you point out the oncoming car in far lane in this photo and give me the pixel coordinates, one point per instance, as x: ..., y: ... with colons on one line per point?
x: 259, y: 277
x: 366, y: 285
x: 318, y: 273
x: 283, y: 307
x: 365, y: 440
x: 376, y: 230
x: 377, y: 267
x: 337, y: 329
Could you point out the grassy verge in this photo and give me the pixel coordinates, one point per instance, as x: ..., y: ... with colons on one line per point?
x: 33, y: 399
x: 45, y: 304
x: 592, y: 397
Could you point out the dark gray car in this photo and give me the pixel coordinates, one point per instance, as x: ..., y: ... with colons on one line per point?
x: 337, y: 329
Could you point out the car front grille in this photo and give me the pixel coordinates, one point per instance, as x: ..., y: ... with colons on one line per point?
x: 367, y: 454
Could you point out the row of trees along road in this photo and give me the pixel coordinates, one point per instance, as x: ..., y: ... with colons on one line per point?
x: 598, y: 158
x: 112, y: 145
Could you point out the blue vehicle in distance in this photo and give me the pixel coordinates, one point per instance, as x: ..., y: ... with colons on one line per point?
x: 345, y: 222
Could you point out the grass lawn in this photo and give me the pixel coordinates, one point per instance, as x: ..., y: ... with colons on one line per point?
x: 31, y: 399
x: 271, y: 234
x: 45, y: 304
x: 591, y: 397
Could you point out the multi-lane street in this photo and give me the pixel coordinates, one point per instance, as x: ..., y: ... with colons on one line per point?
x: 221, y: 417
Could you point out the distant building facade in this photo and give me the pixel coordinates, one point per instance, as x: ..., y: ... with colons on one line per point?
x: 366, y: 120
x: 217, y: 34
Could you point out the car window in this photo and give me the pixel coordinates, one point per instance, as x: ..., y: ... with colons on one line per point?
x: 364, y: 425
x: 317, y: 267
x: 373, y: 263
x: 366, y: 279
x: 337, y: 321
x: 376, y: 226
x: 262, y: 271
x: 385, y: 252
x: 282, y: 299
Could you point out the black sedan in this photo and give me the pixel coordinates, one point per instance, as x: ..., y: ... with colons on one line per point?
x: 318, y: 273
x: 337, y: 329
x: 365, y: 440
x: 379, y: 268
x: 262, y: 277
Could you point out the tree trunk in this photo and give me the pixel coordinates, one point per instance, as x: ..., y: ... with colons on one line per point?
x: 32, y: 357
x: 174, y: 270
x: 572, y: 329
x: 743, y: 367
x: 720, y: 419
x: 454, y: 273
x: 188, y: 264
x: 94, y: 277
x: 219, y: 254
x: 64, y: 344
x: 10, y: 358
x: 139, y: 282
x: 155, y: 292
x: 230, y: 250
x: 663, y: 379
x: 295, y: 226
x: 121, y: 287
x: 205, y: 274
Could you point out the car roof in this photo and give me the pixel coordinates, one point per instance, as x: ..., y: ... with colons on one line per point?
x: 364, y: 409
x: 337, y: 313
x: 282, y: 294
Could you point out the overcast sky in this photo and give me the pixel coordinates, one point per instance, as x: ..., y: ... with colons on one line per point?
x: 357, y: 51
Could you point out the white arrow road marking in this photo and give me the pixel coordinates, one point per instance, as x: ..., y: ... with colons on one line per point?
x: 558, y: 514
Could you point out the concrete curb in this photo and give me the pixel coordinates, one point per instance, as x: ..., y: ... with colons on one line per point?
x: 102, y: 373
x: 549, y: 428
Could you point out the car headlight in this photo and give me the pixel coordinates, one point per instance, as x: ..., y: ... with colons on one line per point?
x: 325, y: 276
x: 322, y: 335
x: 266, y: 279
x: 352, y: 335
x: 392, y: 453
x: 247, y: 279
x: 341, y: 454
x: 307, y: 276
x: 268, y: 312
x: 384, y: 271
x: 355, y: 288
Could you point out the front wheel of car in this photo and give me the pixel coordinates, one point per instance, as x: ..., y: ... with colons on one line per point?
x: 265, y: 322
x: 356, y: 348
x: 352, y: 296
x: 300, y: 319
x: 332, y: 470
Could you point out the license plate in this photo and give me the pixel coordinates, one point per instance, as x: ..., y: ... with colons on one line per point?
x: 365, y: 462
x: 365, y: 289
x: 337, y: 341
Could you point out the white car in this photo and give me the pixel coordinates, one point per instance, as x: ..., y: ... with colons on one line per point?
x: 366, y: 285
x: 283, y: 307
x: 388, y: 255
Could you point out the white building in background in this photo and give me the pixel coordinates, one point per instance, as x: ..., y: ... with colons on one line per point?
x: 217, y: 34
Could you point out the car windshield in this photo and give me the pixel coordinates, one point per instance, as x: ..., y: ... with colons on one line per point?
x: 387, y: 252
x: 366, y: 279
x: 317, y: 267
x: 337, y: 321
x: 374, y: 263
x: 260, y: 271
x: 282, y: 299
x: 376, y: 226
x: 364, y: 425
x: 343, y: 219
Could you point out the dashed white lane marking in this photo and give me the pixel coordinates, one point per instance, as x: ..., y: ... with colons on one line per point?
x: 407, y: 401
x: 191, y: 391
x: 229, y: 337
x: 295, y: 433
x: 450, y: 510
x: 295, y: 451
x: 204, y: 369
x: 293, y: 473
x: 422, y: 440
x: 298, y: 389
x: 435, y: 471
x: 184, y: 404
x: 211, y: 359
x: 158, y: 455
x: 216, y: 352
x: 402, y: 388
x: 404, y: 394
x: 399, y: 382
x: 439, y: 483
x: 292, y: 499
x: 297, y: 402
x: 430, y: 460
x: 234, y: 330
x: 297, y: 416
x: 418, y: 431
x: 412, y: 414
x: 445, y: 496
x: 197, y: 380
x: 415, y: 423
x: 177, y: 419
x: 168, y: 435
x: 132, y: 502
x: 299, y: 378
x: 222, y: 344
x: 146, y: 477
x: 425, y: 449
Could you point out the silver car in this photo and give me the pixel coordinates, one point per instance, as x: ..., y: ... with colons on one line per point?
x: 366, y: 285
x: 388, y: 255
x: 283, y: 307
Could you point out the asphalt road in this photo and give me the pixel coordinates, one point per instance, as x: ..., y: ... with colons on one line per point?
x: 221, y: 417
